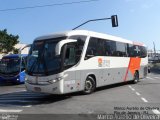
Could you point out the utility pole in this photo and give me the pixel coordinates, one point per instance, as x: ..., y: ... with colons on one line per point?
x: 156, y: 58
x: 154, y: 47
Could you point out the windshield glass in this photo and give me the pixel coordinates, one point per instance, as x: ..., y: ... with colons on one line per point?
x: 42, y: 59
x: 10, y: 65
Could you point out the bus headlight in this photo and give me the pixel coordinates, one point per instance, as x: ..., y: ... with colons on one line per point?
x: 55, y: 80
x: 25, y: 79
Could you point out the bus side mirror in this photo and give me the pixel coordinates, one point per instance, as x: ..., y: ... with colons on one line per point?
x: 61, y: 43
x: 114, y: 20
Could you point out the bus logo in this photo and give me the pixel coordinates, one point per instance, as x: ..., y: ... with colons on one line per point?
x: 99, y: 62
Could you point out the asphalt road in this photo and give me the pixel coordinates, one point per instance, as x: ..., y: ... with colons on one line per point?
x: 118, y: 101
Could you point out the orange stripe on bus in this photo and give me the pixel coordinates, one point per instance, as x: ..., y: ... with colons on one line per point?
x: 134, y: 64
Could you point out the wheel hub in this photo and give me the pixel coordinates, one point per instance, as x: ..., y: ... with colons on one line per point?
x: 88, y: 85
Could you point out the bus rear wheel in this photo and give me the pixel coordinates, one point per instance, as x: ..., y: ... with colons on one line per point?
x: 136, y: 77
x: 90, y: 85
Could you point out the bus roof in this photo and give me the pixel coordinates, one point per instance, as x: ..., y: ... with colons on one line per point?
x: 86, y: 33
x: 14, y: 55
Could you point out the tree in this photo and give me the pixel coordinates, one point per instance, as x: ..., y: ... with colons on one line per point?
x: 7, y: 41
x: 15, y: 51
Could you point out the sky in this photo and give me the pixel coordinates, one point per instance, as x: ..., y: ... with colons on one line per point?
x: 138, y: 19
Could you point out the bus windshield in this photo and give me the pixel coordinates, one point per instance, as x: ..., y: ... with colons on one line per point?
x: 42, y: 59
x: 10, y: 65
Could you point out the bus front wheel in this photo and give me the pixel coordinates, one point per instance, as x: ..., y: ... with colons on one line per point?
x: 90, y: 85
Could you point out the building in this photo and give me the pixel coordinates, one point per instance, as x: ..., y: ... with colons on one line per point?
x: 18, y: 46
x: 154, y: 55
x: 25, y: 50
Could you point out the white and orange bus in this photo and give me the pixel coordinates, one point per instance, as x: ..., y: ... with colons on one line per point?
x: 81, y: 60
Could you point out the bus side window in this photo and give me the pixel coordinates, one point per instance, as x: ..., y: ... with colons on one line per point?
x: 121, y: 49
x: 95, y: 48
x: 80, y: 44
x: 130, y: 50
x: 108, y: 51
x: 110, y: 47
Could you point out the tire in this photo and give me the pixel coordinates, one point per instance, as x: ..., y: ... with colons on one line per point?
x: 90, y: 85
x: 136, y: 78
x: 149, y: 70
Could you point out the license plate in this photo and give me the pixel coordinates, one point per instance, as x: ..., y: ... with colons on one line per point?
x: 38, y: 89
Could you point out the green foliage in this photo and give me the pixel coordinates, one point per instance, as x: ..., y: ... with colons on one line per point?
x: 7, y: 41
x: 15, y: 51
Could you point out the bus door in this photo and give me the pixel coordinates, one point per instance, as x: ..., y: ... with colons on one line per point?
x: 69, y: 60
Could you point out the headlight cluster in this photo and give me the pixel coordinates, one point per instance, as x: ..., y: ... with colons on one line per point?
x: 44, y: 82
x: 25, y: 79
x: 55, y: 80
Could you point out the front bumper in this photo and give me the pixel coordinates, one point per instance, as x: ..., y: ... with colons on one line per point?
x: 50, y: 88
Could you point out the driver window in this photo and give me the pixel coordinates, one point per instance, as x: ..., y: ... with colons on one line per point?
x: 70, y: 56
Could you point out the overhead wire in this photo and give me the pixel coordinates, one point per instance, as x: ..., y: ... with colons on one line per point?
x: 47, y: 5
